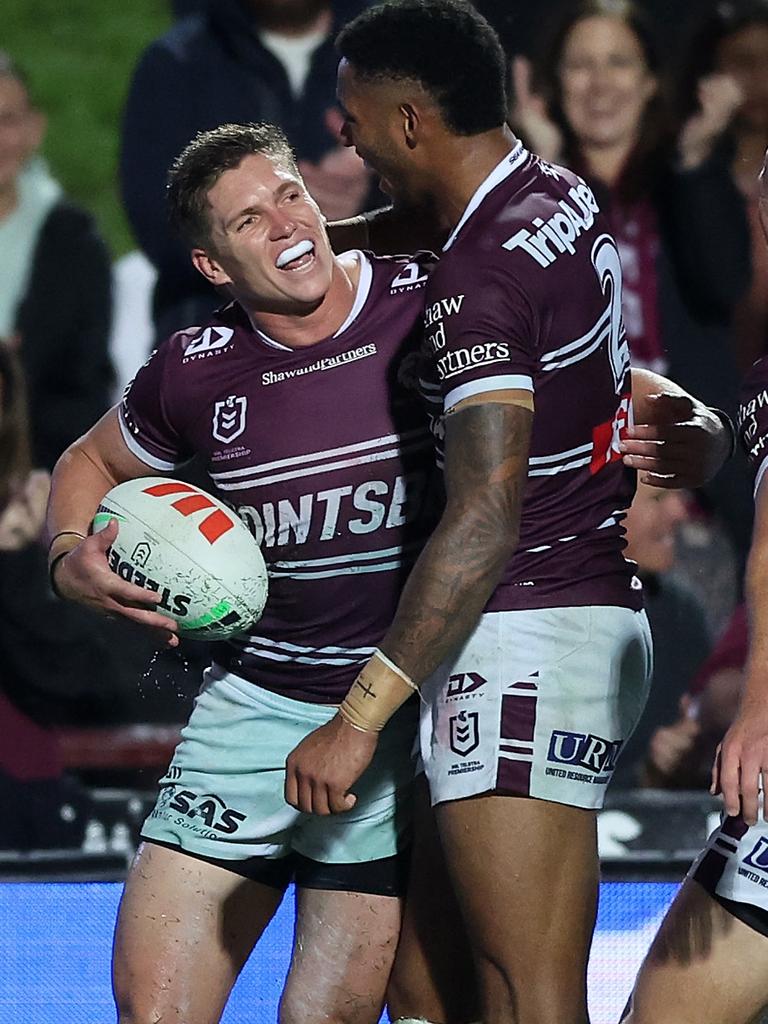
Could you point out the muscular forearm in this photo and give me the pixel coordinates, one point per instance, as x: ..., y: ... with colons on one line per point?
x: 77, y: 487
x: 755, y: 693
x: 446, y: 593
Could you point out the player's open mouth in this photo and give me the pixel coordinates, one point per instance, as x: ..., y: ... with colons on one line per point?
x: 296, y: 257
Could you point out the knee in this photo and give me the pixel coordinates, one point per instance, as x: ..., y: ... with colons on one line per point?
x: 540, y: 998
x: 136, y: 1010
x: 341, y: 1008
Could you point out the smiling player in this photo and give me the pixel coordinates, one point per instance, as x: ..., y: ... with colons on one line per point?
x: 296, y: 396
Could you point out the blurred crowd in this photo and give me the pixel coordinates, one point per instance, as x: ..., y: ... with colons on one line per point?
x: 662, y: 107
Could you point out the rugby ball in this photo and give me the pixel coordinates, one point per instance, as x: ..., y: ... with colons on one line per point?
x: 192, y: 549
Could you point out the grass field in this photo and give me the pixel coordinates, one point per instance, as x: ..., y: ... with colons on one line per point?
x: 79, y: 55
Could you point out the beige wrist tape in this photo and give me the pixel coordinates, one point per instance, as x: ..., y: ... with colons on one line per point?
x: 63, y: 542
x: 376, y: 694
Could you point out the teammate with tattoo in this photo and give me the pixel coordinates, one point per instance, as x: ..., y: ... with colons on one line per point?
x: 521, y: 623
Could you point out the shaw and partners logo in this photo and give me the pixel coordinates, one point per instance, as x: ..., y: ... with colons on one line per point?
x: 583, y: 750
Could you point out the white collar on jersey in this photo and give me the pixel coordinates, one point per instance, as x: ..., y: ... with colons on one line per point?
x: 501, y: 171
x: 361, y: 294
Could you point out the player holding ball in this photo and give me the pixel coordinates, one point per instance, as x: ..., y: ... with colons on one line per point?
x: 298, y: 397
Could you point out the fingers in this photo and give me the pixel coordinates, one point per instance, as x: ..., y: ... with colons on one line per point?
x: 729, y: 780
x: 666, y: 407
x: 141, y: 615
x: 311, y: 796
x: 106, y: 537
x: 750, y: 789
x: 714, y: 782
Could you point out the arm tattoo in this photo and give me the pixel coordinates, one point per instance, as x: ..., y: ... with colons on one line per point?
x: 486, y: 464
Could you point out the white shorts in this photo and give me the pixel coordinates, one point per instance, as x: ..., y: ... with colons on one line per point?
x: 222, y: 795
x: 538, y: 703
x: 733, y: 866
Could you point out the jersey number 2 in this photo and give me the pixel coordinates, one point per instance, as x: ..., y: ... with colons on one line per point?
x: 605, y: 259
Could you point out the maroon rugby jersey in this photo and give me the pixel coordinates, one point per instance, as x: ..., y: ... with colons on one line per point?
x: 752, y: 421
x: 528, y: 295
x: 324, y: 452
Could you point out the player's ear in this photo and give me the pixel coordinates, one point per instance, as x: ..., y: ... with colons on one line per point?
x: 411, y: 122
x: 209, y: 267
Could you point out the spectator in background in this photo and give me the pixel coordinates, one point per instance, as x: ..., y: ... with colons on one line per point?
x: 600, y: 109
x: 681, y: 639
x: 237, y: 61
x: 30, y: 763
x: 680, y: 754
x: 733, y: 41
x: 55, y: 303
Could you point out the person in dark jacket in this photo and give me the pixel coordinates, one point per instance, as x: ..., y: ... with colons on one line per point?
x: 55, y: 282
x: 235, y: 61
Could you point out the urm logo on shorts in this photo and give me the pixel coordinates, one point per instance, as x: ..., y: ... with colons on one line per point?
x: 758, y: 855
x: 592, y: 753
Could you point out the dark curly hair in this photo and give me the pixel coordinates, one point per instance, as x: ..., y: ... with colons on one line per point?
x: 445, y: 45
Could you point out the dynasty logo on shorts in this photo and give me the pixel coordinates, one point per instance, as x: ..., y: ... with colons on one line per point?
x: 463, y: 684
x: 594, y: 756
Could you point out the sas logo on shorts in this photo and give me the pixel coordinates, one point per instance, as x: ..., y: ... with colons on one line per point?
x: 463, y: 684
x: 758, y: 855
x: 583, y: 750
x: 209, y: 809
x: 464, y: 732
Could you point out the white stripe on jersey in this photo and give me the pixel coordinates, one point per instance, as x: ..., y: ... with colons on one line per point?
x: 559, y: 456
x: 328, y: 467
x: 264, y: 641
x: 300, y: 659
x: 564, y: 350
x: 302, y: 460
x: 501, y: 171
x: 561, y: 468
x: 142, y: 453
x: 351, y: 570
x: 502, y: 382
x: 360, y: 556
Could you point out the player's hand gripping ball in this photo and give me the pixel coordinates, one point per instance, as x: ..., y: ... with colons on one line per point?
x: 189, y: 547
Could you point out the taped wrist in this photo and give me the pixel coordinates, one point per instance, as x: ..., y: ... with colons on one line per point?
x: 379, y: 690
x: 61, y: 544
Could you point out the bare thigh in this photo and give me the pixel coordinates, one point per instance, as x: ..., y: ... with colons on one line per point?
x: 526, y: 876
x: 342, y: 956
x: 704, y: 966
x: 184, y: 930
x: 433, y: 977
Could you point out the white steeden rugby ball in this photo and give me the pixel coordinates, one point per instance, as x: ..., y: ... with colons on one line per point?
x: 194, y: 551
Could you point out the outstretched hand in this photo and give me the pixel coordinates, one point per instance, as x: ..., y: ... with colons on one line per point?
x: 323, y: 768
x: 83, y: 575
x: 740, y: 761
x: 681, y: 444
